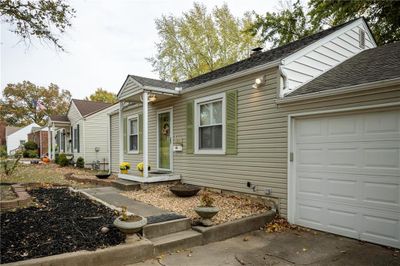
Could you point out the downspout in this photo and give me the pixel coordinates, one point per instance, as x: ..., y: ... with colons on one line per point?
x: 282, y: 74
x: 109, y: 143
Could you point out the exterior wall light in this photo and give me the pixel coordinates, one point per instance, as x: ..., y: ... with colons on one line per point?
x: 152, y: 98
x: 258, y: 82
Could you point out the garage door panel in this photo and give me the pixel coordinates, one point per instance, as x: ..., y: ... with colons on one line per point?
x: 347, y: 175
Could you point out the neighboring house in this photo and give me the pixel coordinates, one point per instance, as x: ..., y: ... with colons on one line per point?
x: 16, y: 139
x: 314, y: 125
x: 40, y: 137
x: 83, y: 132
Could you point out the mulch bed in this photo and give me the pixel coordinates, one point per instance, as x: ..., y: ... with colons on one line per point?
x: 62, y: 221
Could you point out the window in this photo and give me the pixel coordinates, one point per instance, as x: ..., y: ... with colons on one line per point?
x: 133, y: 135
x: 210, y: 125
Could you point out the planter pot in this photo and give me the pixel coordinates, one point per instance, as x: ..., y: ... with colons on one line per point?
x: 133, y: 225
x: 125, y: 172
x: 184, y: 190
x: 103, y: 176
x: 206, y: 213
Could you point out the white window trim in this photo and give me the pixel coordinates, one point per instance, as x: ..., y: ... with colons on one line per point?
x: 197, y: 102
x: 75, y: 138
x: 128, y: 134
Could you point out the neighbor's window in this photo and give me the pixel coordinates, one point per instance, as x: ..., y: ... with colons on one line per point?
x: 133, y: 134
x: 210, y: 124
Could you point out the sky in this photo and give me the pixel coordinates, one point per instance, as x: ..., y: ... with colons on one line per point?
x: 107, y: 41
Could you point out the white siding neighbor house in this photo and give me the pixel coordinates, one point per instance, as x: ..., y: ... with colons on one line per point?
x: 18, y: 138
x: 82, y: 132
x: 313, y: 125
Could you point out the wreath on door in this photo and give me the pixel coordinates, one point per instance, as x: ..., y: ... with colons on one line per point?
x: 165, y: 129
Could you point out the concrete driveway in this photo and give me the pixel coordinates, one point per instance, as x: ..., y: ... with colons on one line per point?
x: 288, y: 248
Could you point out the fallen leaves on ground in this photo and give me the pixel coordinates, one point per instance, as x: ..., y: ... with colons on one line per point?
x: 280, y: 224
x: 232, y: 207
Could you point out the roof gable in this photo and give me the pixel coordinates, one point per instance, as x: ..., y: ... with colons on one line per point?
x: 373, y: 65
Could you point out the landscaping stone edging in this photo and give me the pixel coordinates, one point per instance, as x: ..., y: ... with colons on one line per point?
x: 22, y: 199
x: 117, y: 255
x: 234, y: 228
x: 98, y: 182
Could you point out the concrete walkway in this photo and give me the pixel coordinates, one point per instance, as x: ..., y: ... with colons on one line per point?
x: 112, y: 196
x: 288, y: 248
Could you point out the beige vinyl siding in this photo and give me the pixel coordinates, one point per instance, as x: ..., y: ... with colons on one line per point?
x: 130, y: 87
x: 96, y: 135
x: 262, y: 135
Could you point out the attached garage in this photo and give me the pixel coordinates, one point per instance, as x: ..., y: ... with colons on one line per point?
x: 344, y: 174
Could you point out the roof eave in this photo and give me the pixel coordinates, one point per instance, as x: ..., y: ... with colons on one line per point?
x: 339, y: 91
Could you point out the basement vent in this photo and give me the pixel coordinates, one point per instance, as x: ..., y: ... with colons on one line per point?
x: 362, y: 39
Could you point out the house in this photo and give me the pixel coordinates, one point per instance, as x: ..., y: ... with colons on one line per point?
x: 39, y: 135
x: 313, y: 125
x: 82, y: 132
x: 5, y: 131
x: 19, y: 136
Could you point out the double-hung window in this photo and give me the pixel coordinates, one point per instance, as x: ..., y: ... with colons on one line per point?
x: 210, y: 125
x: 133, y: 134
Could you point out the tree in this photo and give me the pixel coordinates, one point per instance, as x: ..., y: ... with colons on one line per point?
x: 381, y: 15
x: 289, y: 24
x: 44, y: 19
x: 24, y: 103
x: 295, y: 22
x: 198, y: 42
x: 101, y: 95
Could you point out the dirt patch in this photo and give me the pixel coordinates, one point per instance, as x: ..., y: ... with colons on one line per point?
x: 6, y: 193
x: 231, y: 207
x: 61, y: 222
x: 47, y: 174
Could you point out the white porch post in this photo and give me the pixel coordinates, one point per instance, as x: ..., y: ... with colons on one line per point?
x: 121, y: 133
x: 49, y: 142
x: 145, y: 135
x: 53, y: 153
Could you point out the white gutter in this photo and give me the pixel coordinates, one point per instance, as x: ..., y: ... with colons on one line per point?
x: 283, y: 74
x: 343, y: 90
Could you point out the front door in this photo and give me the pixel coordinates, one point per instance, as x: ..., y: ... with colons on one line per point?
x: 164, y: 122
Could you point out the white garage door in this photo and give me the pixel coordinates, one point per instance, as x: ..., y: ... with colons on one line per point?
x: 347, y: 175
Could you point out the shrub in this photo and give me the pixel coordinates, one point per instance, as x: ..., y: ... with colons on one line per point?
x: 30, y: 145
x: 9, y: 166
x: 3, y: 151
x: 62, y: 160
x: 80, y: 162
x: 56, y: 158
x: 30, y: 154
x: 206, y: 200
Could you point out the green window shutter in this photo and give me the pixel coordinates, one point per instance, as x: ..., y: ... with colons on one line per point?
x: 231, y: 122
x: 140, y: 137
x: 125, y: 141
x: 190, y: 127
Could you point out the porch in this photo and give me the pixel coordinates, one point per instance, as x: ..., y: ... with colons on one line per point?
x: 59, y: 136
x: 134, y: 132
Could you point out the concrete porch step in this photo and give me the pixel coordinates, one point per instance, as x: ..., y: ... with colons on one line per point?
x: 164, y: 228
x: 175, y: 241
x: 125, y: 185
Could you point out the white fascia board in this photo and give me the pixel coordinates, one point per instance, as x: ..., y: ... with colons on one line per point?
x: 342, y: 90
x: 322, y: 41
x: 160, y: 90
x: 233, y: 76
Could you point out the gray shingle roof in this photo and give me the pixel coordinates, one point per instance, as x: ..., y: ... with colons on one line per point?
x: 376, y: 64
x: 89, y: 107
x: 154, y: 82
x: 253, y: 61
x: 59, y: 118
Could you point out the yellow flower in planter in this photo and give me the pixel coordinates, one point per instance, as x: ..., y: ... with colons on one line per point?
x: 140, y: 167
x: 124, y: 166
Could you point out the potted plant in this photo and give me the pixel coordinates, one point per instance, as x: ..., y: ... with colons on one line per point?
x: 140, y: 168
x: 124, y: 167
x: 129, y: 224
x: 206, y: 210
